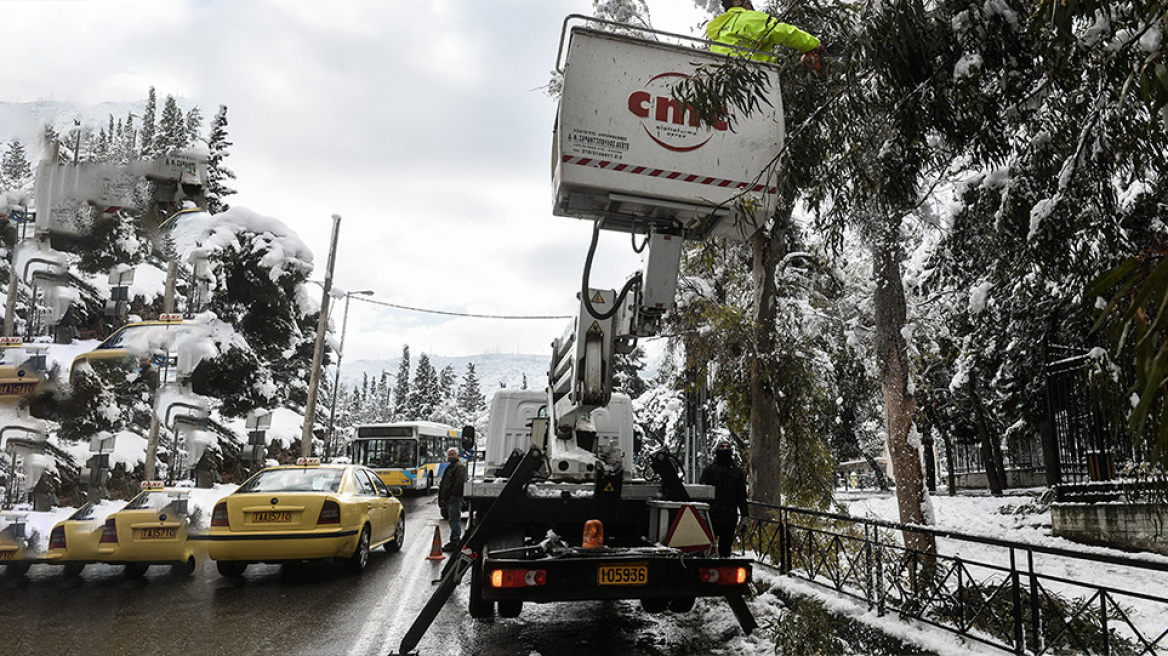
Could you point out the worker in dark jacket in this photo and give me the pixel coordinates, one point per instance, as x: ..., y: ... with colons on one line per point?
x: 450, y: 496
x: 760, y: 32
x: 729, y: 482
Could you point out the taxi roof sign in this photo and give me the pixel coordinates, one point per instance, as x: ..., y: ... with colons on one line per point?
x: 173, y: 316
x: 152, y: 485
x: 308, y: 462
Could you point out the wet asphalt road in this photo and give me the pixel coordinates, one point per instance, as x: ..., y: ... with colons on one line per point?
x: 309, y: 609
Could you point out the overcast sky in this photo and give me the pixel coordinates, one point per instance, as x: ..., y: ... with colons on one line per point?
x: 423, y: 124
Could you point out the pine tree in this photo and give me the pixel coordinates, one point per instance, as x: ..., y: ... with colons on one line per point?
x: 447, y: 382
x: 217, y: 174
x: 424, y: 393
x: 401, y: 388
x: 470, y: 395
x: 172, y: 129
x: 15, y: 171
x: 194, y: 125
x: 146, y: 135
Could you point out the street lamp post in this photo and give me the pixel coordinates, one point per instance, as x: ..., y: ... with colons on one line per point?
x: 332, y: 435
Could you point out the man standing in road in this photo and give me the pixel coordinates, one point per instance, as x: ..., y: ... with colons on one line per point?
x: 744, y: 27
x: 729, y: 482
x: 450, y: 496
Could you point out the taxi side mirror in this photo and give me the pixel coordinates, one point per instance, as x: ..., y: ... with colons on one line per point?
x: 395, y: 491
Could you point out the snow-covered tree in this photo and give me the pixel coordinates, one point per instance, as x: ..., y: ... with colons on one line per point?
x: 425, y: 394
x: 147, y: 134
x: 447, y: 382
x: 217, y: 174
x: 15, y: 170
x: 401, y: 387
x: 470, y: 395
x: 172, y: 133
x: 194, y: 125
x: 260, y: 267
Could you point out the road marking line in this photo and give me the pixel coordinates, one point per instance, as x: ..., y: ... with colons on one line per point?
x: 376, y: 624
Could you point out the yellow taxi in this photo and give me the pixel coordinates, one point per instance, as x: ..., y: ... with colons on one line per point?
x: 14, y: 543
x: 22, y: 368
x: 137, y: 340
x: 73, y: 540
x: 306, y: 511
x: 152, y: 529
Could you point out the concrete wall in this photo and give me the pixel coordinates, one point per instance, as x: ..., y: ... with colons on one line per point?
x: 1139, y: 526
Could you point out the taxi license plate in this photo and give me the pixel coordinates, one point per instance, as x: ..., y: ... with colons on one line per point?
x: 272, y: 516
x: 7, y: 555
x: 161, y: 533
x: 623, y: 574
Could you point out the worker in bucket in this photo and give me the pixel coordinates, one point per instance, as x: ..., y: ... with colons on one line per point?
x: 760, y: 32
x: 730, y: 500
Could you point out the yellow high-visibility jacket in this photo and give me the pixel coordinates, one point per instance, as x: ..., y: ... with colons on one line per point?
x: 756, y: 30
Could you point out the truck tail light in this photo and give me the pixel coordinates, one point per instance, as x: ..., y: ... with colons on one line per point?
x: 330, y: 513
x: 518, y: 578
x: 57, y: 538
x: 593, y: 534
x: 219, y: 515
x: 724, y: 575
x: 109, y: 531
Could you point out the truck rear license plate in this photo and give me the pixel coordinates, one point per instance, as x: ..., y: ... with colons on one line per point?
x: 269, y: 516
x: 161, y: 533
x: 623, y: 574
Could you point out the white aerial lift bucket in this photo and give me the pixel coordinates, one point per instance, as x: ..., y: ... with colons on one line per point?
x: 626, y: 152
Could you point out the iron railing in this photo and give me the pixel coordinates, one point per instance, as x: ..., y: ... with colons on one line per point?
x: 1013, y: 596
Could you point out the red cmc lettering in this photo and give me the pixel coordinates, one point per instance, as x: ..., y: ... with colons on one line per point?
x: 639, y: 103
x: 666, y: 110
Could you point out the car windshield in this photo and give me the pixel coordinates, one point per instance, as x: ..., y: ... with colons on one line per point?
x: 294, y: 480
x: 155, y: 499
x: 143, y: 339
x: 83, y: 513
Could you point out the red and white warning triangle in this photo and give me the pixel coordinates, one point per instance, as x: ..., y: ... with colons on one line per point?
x: 689, y: 531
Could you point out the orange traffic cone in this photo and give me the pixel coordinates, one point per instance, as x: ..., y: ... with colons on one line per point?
x: 436, y: 549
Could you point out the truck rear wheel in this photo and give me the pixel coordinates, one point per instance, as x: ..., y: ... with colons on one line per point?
x: 477, y: 606
x: 510, y: 607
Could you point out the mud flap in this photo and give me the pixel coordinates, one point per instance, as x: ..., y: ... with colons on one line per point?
x: 742, y: 612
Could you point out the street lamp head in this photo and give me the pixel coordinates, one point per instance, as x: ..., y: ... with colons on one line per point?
x: 363, y: 292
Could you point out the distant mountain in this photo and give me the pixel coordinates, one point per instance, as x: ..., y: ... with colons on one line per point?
x: 491, y: 370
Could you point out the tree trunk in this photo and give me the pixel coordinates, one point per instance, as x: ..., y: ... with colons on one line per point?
x: 991, y: 452
x: 892, y: 358
x: 766, y: 461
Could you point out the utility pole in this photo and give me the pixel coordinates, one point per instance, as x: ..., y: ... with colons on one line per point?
x: 318, y: 353
x: 332, y: 436
x: 155, y: 424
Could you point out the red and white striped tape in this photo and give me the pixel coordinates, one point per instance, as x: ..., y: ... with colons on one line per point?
x: 662, y: 173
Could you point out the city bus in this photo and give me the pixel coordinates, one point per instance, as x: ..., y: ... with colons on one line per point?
x: 410, y: 455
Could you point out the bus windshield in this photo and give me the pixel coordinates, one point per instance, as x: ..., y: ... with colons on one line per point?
x: 386, y: 452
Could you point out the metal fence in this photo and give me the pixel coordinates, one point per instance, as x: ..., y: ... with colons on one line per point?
x: 1012, y: 596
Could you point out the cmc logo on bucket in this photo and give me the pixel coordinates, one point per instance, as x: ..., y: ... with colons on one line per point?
x: 664, y: 119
